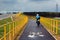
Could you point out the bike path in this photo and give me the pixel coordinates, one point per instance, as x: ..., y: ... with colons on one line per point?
x: 32, y: 32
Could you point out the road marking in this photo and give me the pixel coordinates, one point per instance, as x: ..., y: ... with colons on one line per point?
x: 41, y: 35
x: 34, y: 34
x: 31, y: 36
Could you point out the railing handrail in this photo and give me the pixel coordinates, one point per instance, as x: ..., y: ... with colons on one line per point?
x: 7, y: 23
x: 6, y: 34
x: 51, y: 23
x: 51, y: 19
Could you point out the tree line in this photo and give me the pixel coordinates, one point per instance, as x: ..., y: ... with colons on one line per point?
x: 45, y: 14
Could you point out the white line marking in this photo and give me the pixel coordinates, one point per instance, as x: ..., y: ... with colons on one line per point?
x: 41, y: 35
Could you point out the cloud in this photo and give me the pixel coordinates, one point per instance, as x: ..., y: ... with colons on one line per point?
x: 29, y: 6
x: 39, y: 6
x: 38, y: 0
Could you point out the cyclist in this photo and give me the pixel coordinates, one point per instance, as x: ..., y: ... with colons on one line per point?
x: 37, y: 19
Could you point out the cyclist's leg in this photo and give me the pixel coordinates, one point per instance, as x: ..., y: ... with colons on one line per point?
x: 38, y: 23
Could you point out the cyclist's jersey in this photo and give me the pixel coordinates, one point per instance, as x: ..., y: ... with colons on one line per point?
x: 37, y: 17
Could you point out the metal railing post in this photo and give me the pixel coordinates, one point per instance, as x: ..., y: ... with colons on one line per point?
x: 9, y: 32
x: 13, y: 30
x: 56, y: 27
x: 53, y: 25
x: 4, y: 32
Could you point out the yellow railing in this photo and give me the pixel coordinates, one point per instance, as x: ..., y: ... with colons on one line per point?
x: 51, y: 24
x: 14, y: 28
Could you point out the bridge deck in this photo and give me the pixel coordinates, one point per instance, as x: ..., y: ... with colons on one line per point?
x: 32, y: 32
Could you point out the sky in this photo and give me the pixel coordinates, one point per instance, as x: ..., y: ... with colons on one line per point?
x: 29, y: 5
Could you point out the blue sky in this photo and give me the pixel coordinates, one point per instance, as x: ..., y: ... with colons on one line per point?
x: 29, y: 5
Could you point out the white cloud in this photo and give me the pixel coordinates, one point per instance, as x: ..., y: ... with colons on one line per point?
x: 39, y: 6
x: 30, y: 6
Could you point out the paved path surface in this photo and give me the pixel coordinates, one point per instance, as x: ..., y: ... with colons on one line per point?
x: 5, y: 16
x: 32, y: 32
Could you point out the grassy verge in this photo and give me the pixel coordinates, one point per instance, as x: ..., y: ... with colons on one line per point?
x: 55, y: 25
x: 58, y: 25
x: 2, y: 22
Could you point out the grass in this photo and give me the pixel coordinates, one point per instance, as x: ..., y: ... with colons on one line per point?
x: 5, y: 21
x: 2, y: 22
x: 58, y: 25
x: 55, y: 25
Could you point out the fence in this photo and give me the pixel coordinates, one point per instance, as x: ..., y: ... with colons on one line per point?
x: 11, y: 29
x: 52, y: 24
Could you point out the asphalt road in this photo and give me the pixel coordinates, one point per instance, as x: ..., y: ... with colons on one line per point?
x: 5, y: 16
x: 32, y: 32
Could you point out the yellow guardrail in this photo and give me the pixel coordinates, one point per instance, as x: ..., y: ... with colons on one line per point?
x: 14, y: 28
x: 51, y: 24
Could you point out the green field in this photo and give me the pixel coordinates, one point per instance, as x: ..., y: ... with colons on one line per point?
x: 58, y: 25
x: 55, y: 25
x: 2, y: 22
x: 5, y: 21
